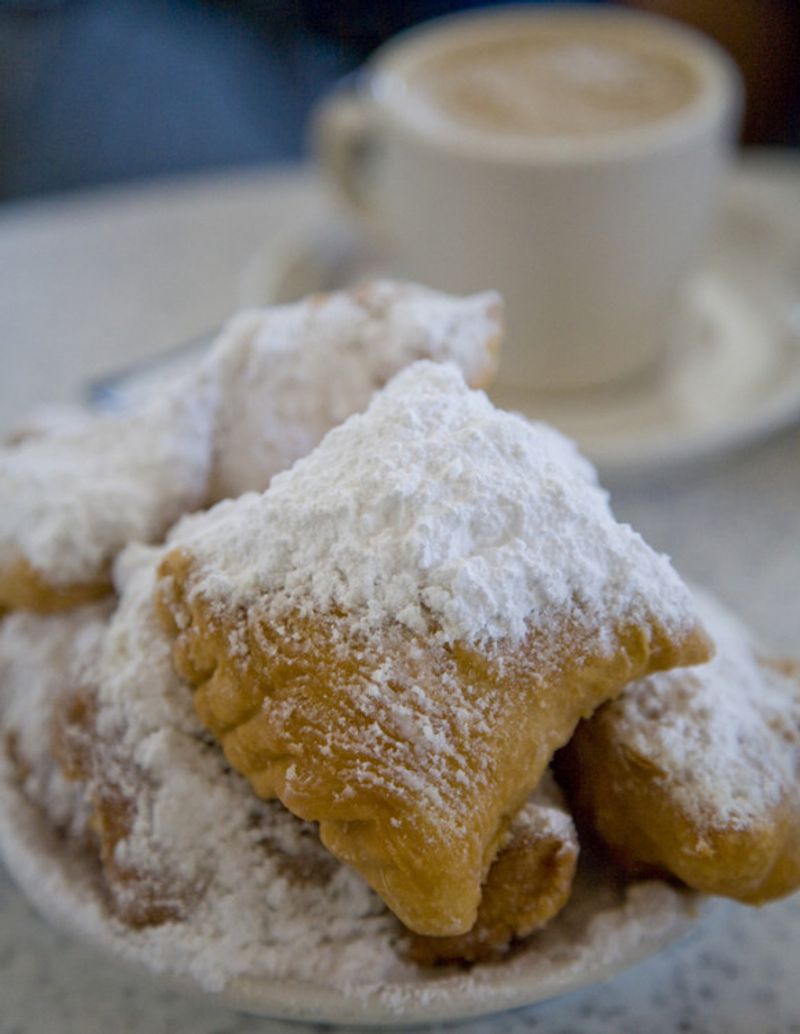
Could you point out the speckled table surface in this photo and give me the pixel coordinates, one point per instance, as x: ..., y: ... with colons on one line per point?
x: 91, y: 283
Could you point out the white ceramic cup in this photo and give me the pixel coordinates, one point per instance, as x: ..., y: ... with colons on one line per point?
x: 590, y: 238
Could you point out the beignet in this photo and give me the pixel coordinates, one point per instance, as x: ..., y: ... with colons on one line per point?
x: 528, y: 884
x: 696, y: 773
x: 77, y: 486
x: 398, y: 634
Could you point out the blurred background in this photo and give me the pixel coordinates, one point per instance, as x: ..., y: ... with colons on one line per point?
x: 101, y: 91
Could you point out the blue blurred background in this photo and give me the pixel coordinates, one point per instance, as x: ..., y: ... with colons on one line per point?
x: 98, y: 91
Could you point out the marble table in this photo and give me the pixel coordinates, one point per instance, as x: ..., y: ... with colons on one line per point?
x: 93, y: 282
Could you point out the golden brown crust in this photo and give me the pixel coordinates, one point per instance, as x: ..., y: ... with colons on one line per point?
x: 74, y: 719
x: 20, y: 768
x: 493, y: 348
x: 288, y: 701
x: 637, y: 808
x: 528, y: 884
x: 138, y: 897
x: 22, y: 587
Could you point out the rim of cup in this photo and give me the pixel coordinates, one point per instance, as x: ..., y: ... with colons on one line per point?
x: 387, y: 75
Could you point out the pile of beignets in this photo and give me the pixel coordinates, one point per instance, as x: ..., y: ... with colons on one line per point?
x: 408, y: 616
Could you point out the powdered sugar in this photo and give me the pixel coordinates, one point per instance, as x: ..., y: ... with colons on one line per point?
x: 271, y: 915
x: 725, y: 735
x: 77, y: 487
x: 546, y: 813
x: 41, y: 659
x: 289, y: 373
x: 74, y: 495
x: 602, y: 930
x: 434, y: 505
x: 257, y: 891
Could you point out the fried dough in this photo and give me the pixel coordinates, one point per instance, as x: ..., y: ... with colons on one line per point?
x: 42, y: 660
x: 78, y: 486
x: 528, y: 884
x: 289, y: 373
x: 73, y: 496
x: 696, y: 773
x: 22, y: 587
x: 411, y: 704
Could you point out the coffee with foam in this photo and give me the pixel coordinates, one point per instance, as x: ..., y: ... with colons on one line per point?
x: 556, y: 81
x: 571, y: 156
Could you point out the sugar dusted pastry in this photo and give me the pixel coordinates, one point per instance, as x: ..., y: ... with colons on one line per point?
x: 199, y: 878
x: 74, y: 495
x: 136, y: 757
x: 696, y: 773
x: 290, y: 373
x: 43, y: 659
x: 77, y: 488
x: 528, y: 884
x: 214, y: 881
x: 397, y: 635
x: 48, y: 421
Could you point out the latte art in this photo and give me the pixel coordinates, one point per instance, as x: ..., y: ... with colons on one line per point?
x: 555, y: 83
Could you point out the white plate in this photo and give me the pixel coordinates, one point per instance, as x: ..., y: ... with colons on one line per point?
x: 617, y: 927
x: 733, y: 374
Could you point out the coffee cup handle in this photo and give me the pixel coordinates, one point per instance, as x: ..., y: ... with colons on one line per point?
x: 342, y: 139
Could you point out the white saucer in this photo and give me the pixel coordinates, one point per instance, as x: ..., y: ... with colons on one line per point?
x: 617, y: 928
x: 733, y: 375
